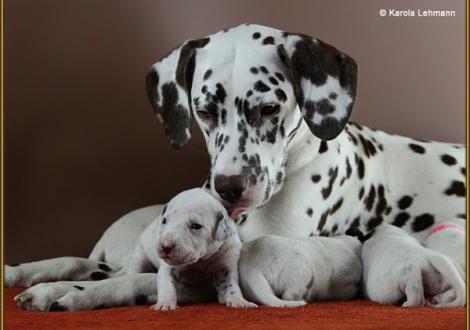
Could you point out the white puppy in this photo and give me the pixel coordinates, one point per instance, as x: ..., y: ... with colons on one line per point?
x: 397, y: 267
x: 196, y: 248
x: 300, y: 270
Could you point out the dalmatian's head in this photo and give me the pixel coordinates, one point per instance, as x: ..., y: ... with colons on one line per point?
x: 193, y: 225
x: 249, y: 89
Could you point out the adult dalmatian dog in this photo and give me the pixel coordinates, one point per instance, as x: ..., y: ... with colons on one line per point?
x: 274, y: 109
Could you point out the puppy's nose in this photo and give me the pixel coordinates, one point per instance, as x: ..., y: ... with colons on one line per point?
x: 166, y: 247
x: 230, y: 187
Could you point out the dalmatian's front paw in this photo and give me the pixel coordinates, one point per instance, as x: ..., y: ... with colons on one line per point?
x: 239, y: 302
x: 164, y: 306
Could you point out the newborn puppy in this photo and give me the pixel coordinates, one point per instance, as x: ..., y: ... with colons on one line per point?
x: 408, y: 271
x: 197, y: 248
x: 283, y: 272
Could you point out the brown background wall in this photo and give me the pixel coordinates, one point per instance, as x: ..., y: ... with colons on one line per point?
x: 82, y: 146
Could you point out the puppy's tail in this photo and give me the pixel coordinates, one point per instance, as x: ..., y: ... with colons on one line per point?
x: 450, y: 273
x: 257, y: 288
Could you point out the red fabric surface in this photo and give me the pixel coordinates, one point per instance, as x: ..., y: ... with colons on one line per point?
x: 331, y: 315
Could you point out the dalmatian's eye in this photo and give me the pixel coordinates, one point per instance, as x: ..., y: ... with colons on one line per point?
x: 269, y: 109
x: 163, y: 221
x: 204, y: 114
x: 195, y: 226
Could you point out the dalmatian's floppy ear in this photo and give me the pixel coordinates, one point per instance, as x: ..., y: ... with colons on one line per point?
x: 223, y: 227
x: 324, y: 80
x: 168, y: 86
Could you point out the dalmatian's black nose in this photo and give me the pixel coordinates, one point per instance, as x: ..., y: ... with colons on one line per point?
x: 230, y: 187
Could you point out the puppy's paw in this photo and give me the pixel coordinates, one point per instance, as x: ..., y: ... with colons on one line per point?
x: 294, y: 303
x: 164, y: 306
x: 239, y: 302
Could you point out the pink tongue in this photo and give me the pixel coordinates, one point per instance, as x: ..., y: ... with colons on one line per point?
x: 235, y: 213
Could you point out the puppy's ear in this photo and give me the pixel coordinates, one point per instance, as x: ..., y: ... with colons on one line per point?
x: 168, y: 86
x: 325, y: 81
x: 223, y: 227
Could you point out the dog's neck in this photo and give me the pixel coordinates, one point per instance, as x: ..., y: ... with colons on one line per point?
x: 285, y: 212
x: 302, y: 150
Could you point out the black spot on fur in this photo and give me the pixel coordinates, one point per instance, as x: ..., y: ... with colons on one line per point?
x: 463, y: 170
x: 263, y: 69
x: 207, y: 75
x: 322, y: 221
x: 261, y: 87
x: 348, y: 168
x: 273, y: 81
x: 55, y: 307
x: 254, y: 70
x: 422, y: 222
x: 405, y: 202
x: 368, y: 146
x: 104, y: 267
x: 140, y: 299
x: 315, y: 178
x: 361, y: 193
x: 456, y: 188
x: 374, y: 222
x: 333, y: 96
x: 417, y: 148
x: 323, y: 147
x: 448, y: 160
x: 309, y: 211
x: 279, y: 76
x: 352, y: 138
x: 360, y: 166
x: 220, y: 93
x: 78, y: 287
x: 369, y: 201
x: 382, y: 202
x: 401, y: 219
x: 281, y: 96
x: 333, y: 174
x: 256, y: 35
x: 337, y: 206
x: 462, y: 216
x: 98, y: 276
x: 268, y: 41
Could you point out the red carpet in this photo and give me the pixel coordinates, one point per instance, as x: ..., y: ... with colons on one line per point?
x: 332, y: 315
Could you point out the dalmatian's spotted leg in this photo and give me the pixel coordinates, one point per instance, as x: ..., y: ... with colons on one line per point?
x: 126, y: 290
x: 57, y: 269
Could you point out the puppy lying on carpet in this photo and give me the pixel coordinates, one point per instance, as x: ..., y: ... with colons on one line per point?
x: 410, y: 271
x: 300, y: 270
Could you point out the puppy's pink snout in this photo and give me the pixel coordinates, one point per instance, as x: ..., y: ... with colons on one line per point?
x: 167, y: 246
